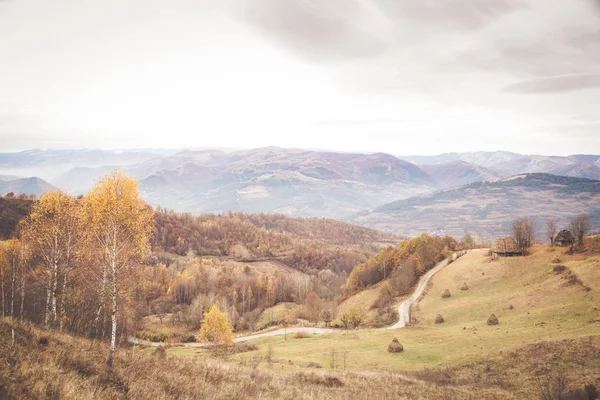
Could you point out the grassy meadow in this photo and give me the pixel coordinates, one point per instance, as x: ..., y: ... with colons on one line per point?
x: 532, y: 303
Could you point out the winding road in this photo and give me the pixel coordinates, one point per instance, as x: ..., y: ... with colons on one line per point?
x: 403, y: 314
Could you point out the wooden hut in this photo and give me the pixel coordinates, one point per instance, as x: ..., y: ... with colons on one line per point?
x: 564, y: 238
x: 506, y: 247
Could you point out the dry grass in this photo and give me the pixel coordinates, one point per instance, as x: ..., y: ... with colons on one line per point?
x: 74, y: 368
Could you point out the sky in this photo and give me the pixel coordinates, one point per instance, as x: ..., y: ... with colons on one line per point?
x: 396, y: 76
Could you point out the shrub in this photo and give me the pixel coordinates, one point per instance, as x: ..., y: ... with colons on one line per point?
x: 464, y: 286
x: 446, y: 294
x: 43, y: 341
x: 190, y: 339
x: 385, y: 317
x: 301, y: 335
x: 558, y: 269
x: 382, y: 302
x: 492, y: 320
x: 395, y: 346
x: 242, y: 347
x: 439, y: 319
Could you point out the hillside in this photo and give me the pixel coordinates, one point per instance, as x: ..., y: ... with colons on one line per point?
x: 12, y: 210
x: 548, y: 322
x: 42, y: 364
x: 508, y: 163
x: 33, y: 185
x: 297, y: 182
x: 306, y: 244
x: 458, y: 173
x: 488, y: 208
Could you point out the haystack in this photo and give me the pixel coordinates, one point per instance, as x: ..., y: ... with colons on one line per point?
x: 446, y: 294
x: 439, y: 319
x: 464, y: 286
x: 492, y: 320
x: 160, y: 353
x: 395, y: 346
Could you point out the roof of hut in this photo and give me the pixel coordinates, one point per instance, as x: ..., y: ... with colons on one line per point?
x: 565, y: 236
x: 505, y: 245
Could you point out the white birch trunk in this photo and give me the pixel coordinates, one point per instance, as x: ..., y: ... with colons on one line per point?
x: 113, y: 332
x: 22, y: 294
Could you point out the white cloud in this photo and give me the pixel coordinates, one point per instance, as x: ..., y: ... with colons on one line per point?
x: 352, y: 75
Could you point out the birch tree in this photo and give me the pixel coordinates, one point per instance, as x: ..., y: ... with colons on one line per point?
x: 120, y: 224
x: 47, y: 230
x: 16, y: 259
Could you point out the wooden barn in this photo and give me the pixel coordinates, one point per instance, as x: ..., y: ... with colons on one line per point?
x: 506, y: 247
x: 564, y: 238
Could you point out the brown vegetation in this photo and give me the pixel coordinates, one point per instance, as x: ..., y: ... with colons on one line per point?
x: 68, y: 368
x: 404, y: 264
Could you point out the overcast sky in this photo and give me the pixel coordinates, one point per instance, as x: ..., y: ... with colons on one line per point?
x: 398, y: 76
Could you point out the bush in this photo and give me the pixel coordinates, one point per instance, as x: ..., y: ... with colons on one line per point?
x: 242, y: 347
x: 385, y: 317
x: 382, y: 302
x: 190, y: 339
x: 446, y: 294
x: 439, y: 319
x: 493, y: 320
x: 43, y: 341
x: 395, y: 346
x: 558, y: 269
x: 301, y: 335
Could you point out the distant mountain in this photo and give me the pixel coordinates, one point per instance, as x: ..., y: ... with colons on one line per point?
x: 488, y: 208
x: 290, y: 181
x: 458, y: 173
x: 481, y: 158
x: 49, y: 164
x: 507, y: 164
x: 297, y: 182
x: 583, y: 170
x: 33, y: 185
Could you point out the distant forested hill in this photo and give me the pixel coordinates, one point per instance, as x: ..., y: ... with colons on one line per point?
x: 307, y: 244
x: 488, y: 208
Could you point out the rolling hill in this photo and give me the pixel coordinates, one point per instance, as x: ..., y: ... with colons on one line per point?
x: 32, y: 185
x: 506, y: 164
x: 488, y: 208
x: 277, y: 180
x: 458, y: 173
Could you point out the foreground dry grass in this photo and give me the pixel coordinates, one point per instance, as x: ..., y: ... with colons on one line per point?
x: 44, y: 364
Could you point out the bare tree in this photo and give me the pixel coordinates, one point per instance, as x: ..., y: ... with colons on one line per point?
x: 523, y: 232
x: 551, y: 230
x: 579, y: 227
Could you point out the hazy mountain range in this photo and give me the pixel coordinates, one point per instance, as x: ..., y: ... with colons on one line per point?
x: 488, y: 208
x: 291, y: 181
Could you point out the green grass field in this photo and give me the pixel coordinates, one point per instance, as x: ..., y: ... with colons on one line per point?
x: 544, y: 307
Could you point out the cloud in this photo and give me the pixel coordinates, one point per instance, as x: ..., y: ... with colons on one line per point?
x: 556, y: 84
x: 323, y: 30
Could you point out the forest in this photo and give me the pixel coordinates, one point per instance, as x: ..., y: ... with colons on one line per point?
x: 101, y: 264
